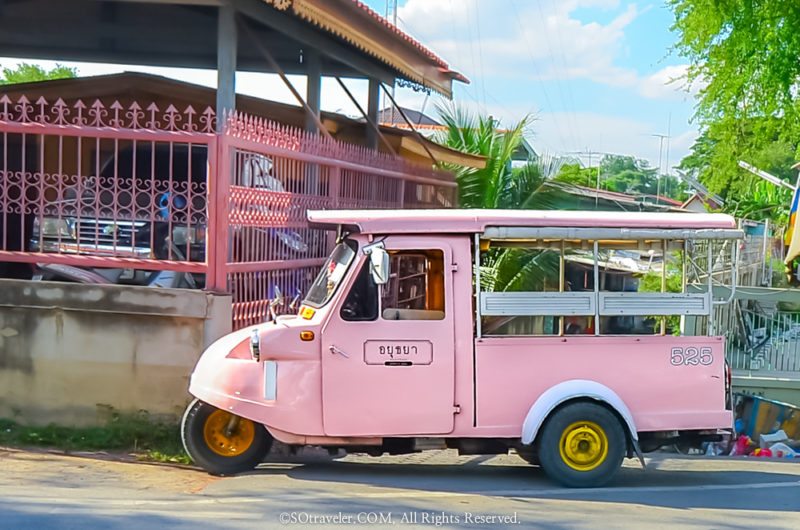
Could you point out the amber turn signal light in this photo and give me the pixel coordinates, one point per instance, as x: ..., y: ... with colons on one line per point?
x: 306, y: 335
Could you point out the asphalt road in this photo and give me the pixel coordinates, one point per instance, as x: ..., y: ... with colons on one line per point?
x: 435, y: 489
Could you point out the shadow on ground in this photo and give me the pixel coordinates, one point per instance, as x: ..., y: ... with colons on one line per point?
x: 750, y: 489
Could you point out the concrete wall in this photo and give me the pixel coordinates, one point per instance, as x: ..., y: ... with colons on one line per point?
x: 779, y: 387
x: 69, y: 353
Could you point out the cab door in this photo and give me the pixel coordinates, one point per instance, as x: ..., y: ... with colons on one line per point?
x: 388, y: 359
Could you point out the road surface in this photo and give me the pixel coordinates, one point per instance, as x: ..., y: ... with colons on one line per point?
x: 436, y: 489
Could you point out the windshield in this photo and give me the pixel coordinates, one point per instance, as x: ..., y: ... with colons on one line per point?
x: 331, y: 275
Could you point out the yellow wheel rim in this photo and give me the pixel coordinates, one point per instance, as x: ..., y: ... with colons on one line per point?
x: 583, y: 446
x: 228, y: 435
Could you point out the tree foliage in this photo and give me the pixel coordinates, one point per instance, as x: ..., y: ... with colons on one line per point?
x: 499, y: 185
x: 27, y: 73
x: 744, y: 53
x: 623, y: 174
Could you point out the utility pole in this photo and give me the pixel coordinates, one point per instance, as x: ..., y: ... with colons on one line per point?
x: 661, y: 138
x: 667, y: 168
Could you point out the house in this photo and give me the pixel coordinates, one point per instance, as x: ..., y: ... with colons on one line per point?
x: 701, y: 203
x: 93, y: 163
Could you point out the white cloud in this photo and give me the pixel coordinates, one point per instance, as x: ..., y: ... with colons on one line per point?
x: 670, y: 83
x: 519, y: 39
x: 538, y: 41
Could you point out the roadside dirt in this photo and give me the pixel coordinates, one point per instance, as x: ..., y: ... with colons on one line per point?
x: 98, y: 468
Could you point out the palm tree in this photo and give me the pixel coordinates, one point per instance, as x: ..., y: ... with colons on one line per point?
x: 499, y: 185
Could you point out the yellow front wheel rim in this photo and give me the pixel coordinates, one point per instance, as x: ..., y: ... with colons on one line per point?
x: 228, y: 435
x: 583, y: 445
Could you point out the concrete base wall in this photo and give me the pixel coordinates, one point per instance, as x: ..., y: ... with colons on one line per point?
x: 71, y: 353
x: 784, y: 388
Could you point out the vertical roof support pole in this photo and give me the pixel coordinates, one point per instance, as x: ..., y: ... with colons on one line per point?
x: 709, y: 271
x: 227, y: 40
x: 663, y: 281
x: 596, y: 252
x: 373, y: 101
x: 478, y: 331
x: 313, y: 88
x: 683, y: 285
x: 561, y: 284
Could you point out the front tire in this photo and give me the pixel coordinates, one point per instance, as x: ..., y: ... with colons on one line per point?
x: 582, y: 445
x: 223, y: 443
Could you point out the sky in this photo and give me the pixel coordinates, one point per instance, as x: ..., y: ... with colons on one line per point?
x: 593, y: 75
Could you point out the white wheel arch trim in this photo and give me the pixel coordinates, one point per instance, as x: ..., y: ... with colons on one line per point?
x: 576, y: 388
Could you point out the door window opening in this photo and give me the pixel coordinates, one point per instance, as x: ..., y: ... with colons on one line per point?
x: 415, y: 290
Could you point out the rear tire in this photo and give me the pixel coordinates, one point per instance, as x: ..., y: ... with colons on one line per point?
x: 216, y: 447
x: 582, y: 445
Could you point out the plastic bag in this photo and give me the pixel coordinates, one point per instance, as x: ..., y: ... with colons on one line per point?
x: 781, y: 450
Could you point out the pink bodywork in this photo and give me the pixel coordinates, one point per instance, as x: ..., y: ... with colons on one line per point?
x: 330, y: 390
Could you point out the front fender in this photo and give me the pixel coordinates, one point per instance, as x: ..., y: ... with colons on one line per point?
x: 576, y: 388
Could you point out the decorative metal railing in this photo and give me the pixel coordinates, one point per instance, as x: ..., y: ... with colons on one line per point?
x: 121, y: 185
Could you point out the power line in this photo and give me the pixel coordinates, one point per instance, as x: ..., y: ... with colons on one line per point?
x: 536, y: 71
x: 480, y: 49
x: 569, y: 88
x: 551, y: 55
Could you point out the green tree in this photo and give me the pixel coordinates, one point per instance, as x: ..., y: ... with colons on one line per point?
x: 715, y: 155
x: 745, y: 51
x: 27, y: 73
x: 623, y: 174
x: 576, y: 175
x: 499, y: 185
x: 745, y: 55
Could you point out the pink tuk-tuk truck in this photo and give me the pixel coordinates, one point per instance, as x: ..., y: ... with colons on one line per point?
x: 483, y: 331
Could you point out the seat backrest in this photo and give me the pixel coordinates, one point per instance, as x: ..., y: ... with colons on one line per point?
x: 412, y: 314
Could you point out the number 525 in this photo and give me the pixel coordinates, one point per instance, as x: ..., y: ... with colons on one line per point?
x: 691, y: 356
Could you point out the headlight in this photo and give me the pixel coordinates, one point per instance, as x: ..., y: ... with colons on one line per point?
x: 193, y: 234
x: 50, y: 227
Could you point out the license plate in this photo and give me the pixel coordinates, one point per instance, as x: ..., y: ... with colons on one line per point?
x: 398, y: 352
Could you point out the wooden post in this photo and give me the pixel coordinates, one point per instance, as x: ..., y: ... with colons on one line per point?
x: 314, y: 87
x: 373, y: 102
x: 227, y: 40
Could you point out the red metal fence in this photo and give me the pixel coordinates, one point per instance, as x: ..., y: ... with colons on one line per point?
x: 123, y: 187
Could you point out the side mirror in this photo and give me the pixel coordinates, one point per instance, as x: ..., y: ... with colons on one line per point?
x: 379, y: 265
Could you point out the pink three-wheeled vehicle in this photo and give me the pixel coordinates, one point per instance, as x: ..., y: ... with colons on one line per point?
x: 482, y: 331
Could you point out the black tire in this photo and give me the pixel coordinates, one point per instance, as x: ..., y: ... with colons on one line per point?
x: 528, y: 454
x: 603, y: 453
x: 193, y: 427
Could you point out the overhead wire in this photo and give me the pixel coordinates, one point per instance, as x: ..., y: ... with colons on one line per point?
x: 470, y: 39
x: 569, y: 88
x: 571, y: 124
x: 537, y: 73
x: 480, y: 49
